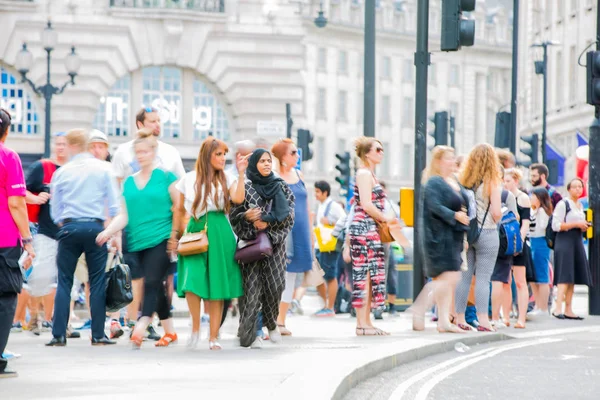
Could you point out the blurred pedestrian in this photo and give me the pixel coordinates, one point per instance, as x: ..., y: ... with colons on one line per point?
x: 269, y: 207
x: 15, y: 237
x: 541, y: 211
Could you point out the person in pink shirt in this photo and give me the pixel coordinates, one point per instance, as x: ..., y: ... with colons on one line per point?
x: 15, y: 236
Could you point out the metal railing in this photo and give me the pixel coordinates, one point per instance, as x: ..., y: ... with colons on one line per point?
x: 216, y: 6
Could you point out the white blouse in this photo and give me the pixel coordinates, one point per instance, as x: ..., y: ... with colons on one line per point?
x: 187, y: 186
x: 576, y: 214
x: 539, y: 221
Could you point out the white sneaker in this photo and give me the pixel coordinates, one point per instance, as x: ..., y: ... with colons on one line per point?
x: 257, y: 344
x: 275, y: 336
x: 498, y: 324
x: 193, y: 340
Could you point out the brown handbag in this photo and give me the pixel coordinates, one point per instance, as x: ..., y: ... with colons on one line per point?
x: 194, y: 243
x: 392, y: 232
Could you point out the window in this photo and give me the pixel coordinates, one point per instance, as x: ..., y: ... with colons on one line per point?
x: 112, y: 116
x: 573, y: 75
x: 454, y: 79
x: 322, y: 58
x: 18, y: 102
x: 209, y: 118
x: 454, y: 112
x: 559, y: 78
x: 407, y: 71
x: 322, y: 104
x: 407, y: 112
x: 162, y: 90
x: 361, y: 108
x: 407, y: 160
x: 343, y: 62
x: 341, y: 145
x: 385, y: 163
x: 321, y: 151
x: 386, y: 67
x: 342, y: 105
x: 385, y: 110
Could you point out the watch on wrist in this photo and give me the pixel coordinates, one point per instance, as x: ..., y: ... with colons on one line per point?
x: 27, y: 241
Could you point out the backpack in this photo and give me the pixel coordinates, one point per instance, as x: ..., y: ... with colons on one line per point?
x: 33, y: 210
x: 550, y: 234
x: 474, y: 230
x: 509, y: 231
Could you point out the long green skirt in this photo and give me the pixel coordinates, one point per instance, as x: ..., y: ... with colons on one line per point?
x: 214, y: 275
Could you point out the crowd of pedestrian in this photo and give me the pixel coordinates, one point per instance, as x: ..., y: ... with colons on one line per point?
x: 244, y: 237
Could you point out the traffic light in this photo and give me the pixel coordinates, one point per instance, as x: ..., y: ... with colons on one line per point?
x: 305, y: 138
x: 502, y: 136
x: 456, y: 31
x: 343, y: 166
x: 531, y: 152
x: 440, y: 132
x: 593, y: 78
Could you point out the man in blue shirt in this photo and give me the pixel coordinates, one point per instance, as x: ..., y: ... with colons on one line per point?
x: 80, y: 192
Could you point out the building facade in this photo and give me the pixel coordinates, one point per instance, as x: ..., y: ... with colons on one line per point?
x: 227, y: 67
x: 571, y: 25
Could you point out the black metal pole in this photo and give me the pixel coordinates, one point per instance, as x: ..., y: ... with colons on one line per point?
x: 369, y: 78
x: 48, y: 97
x: 289, y: 120
x: 515, y: 73
x: 594, y: 198
x: 421, y: 63
x: 545, y: 105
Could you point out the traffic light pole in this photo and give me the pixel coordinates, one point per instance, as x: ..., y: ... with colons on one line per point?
x: 594, y: 198
x: 422, y: 63
x: 515, y: 63
x: 545, y: 105
x: 369, y: 78
x: 289, y: 120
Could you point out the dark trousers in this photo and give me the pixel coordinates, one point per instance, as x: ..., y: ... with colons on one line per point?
x: 74, y: 239
x: 156, y: 264
x: 8, y: 306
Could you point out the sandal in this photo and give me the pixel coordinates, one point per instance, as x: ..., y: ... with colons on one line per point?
x: 214, y: 345
x: 575, y: 318
x: 466, y: 327
x: 284, y: 331
x: 519, y: 325
x: 370, y: 331
x: 166, y: 340
x: 506, y: 322
x: 450, y: 328
x: 482, y: 328
x: 136, y: 341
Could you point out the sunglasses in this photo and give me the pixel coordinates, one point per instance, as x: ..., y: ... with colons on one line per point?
x: 150, y: 109
x: 294, y: 152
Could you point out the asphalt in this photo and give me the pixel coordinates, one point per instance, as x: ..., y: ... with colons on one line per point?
x: 322, y: 360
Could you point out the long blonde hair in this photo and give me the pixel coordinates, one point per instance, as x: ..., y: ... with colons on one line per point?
x: 437, y: 154
x: 481, y: 167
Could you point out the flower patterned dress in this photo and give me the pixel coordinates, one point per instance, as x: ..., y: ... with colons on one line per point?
x: 367, y: 252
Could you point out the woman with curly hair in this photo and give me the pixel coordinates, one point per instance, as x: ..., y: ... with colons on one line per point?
x: 481, y: 174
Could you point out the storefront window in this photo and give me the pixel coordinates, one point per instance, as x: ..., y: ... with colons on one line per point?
x: 162, y: 90
x: 112, y: 116
x: 18, y: 102
x: 209, y: 117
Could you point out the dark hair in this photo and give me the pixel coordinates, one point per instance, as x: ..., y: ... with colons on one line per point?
x: 141, y: 115
x: 544, y: 198
x: 573, y: 180
x: 540, y: 168
x: 323, y: 187
x: 383, y: 184
x: 4, y: 122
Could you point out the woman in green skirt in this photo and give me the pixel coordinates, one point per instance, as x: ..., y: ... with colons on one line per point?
x: 206, y: 196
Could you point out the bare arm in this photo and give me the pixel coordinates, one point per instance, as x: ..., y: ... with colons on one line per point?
x: 176, y: 231
x: 364, y: 181
x: 117, y: 224
x: 18, y: 211
x: 496, y: 203
x: 180, y: 210
x: 237, y: 191
x: 524, y: 202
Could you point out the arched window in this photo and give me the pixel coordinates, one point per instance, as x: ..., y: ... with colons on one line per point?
x: 18, y: 102
x: 162, y: 90
x: 112, y: 116
x: 209, y: 117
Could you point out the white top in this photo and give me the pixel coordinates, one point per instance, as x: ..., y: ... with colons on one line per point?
x: 575, y: 214
x: 167, y: 158
x: 187, y: 186
x: 539, y: 221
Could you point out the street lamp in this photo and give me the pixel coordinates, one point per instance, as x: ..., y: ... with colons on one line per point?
x: 369, y: 63
x: 25, y: 61
x: 541, y: 68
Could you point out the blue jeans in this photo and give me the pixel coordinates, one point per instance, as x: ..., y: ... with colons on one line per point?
x: 74, y: 239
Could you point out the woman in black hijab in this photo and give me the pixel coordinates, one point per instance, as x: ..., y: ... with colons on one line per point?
x: 268, y: 206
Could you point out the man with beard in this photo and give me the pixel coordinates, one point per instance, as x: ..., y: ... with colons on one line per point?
x: 538, y: 176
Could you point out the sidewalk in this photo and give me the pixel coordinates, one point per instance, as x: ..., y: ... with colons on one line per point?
x: 322, y: 360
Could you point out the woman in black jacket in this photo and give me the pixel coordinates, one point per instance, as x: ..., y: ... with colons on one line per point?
x: 444, y: 221
x: 268, y: 206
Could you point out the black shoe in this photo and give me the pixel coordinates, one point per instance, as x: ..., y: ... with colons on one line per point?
x: 7, y: 373
x: 102, y: 342
x: 73, y: 335
x: 57, y: 342
x: 152, y: 335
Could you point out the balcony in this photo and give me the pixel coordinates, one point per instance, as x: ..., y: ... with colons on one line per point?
x: 210, y: 6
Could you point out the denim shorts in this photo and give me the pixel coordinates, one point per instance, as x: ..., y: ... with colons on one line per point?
x: 328, y: 262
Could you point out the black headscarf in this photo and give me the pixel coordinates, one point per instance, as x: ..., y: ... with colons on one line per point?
x: 268, y: 188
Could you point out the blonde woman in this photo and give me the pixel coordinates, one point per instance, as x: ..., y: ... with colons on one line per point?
x: 366, y: 249
x: 206, y: 194
x: 444, y: 223
x: 481, y: 174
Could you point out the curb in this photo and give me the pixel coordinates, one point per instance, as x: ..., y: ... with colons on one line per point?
x: 377, y: 367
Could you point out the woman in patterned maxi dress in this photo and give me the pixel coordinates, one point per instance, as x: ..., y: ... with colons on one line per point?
x: 368, y: 260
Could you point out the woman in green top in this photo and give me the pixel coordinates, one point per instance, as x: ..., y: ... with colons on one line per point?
x: 148, y: 198
x: 206, y: 195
